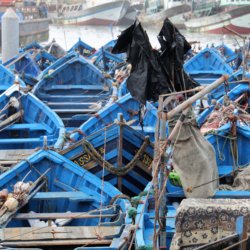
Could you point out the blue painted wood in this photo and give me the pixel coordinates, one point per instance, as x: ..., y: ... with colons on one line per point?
x: 25, y: 66
x: 228, y: 54
x: 77, y: 196
x: 67, y: 186
x: 82, y: 48
x: 7, y: 79
x: 236, y: 92
x: 43, y: 59
x: 206, y: 65
x: 129, y: 108
x: 56, y: 64
x: 37, y: 121
x: 107, y: 140
x: 145, y: 218
x: 108, y: 62
x: 229, y: 194
x: 33, y: 45
x: 108, y: 47
x: 74, y: 88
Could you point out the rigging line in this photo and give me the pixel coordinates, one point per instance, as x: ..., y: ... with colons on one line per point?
x: 147, y: 196
x: 165, y: 182
x: 103, y: 172
x: 143, y: 209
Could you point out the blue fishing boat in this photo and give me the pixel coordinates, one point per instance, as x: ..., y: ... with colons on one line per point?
x: 43, y: 59
x: 145, y: 220
x: 31, y: 46
x: 239, y: 91
x: 108, y: 62
x: 75, y: 91
x: 26, y: 124
x: 8, y: 79
x: 229, y: 55
x: 55, y: 203
x: 25, y: 66
x: 82, y: 48
x: 123, y: 153
x: 55, y: 49
x: 108, y: 47
x: 233, y: 157
x: 142, y: 120
x: 56, y: 64
x: 207, y: 66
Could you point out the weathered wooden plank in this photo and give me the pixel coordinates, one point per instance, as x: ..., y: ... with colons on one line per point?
x: 43, y: 216
x: 56, y: 243
x: 56, y: 233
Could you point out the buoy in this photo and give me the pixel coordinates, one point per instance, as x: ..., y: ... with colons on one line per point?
x: 10, y: 35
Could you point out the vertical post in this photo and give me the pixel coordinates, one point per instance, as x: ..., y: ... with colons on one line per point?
x: 10, y: 35
x: 244, y: 62
x: 241, y: 230
x: 155, y: 172
x: 163, y: 174
x: 120, y: 146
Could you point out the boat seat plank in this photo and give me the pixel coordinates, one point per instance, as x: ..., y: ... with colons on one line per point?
x: 72, y: 96
x: 54, y: 242
x: 69, y: 87
x: 211, y: 72
x: 52, y: 216
x: 79, y: 111
x: 30, y: 126
x: 24, y: 140
x: 74, y: 196
x: 58, y: 233
x: 70, y: 103
x: 232, y: 194
x: 16, y: 154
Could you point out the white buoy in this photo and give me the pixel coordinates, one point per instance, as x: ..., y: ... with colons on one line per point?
x: 10, y: 35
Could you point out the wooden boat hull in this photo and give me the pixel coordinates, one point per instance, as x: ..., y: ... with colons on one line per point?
x: 145, y: 218
x: 236, y: 20
x: 236, y: 92
x: 129, y: 108
x: 128, y: 155
x: 73, y: 90
x: 207, y: 66
x: 9, y: 79
x: 68, y: 192
x: 27, y: 124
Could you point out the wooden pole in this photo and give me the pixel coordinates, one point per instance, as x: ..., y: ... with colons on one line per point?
x: 155, y: 173
x: 197, y: 96
x: 163, y: 176
x: 120, y: 146
x: 12, y: 118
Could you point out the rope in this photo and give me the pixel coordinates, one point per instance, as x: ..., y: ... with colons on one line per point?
x: 104, y: 154
x: 119, y: 196
x: 119, y: 171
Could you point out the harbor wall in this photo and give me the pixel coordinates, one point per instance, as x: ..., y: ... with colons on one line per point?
x: 32, y: 30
